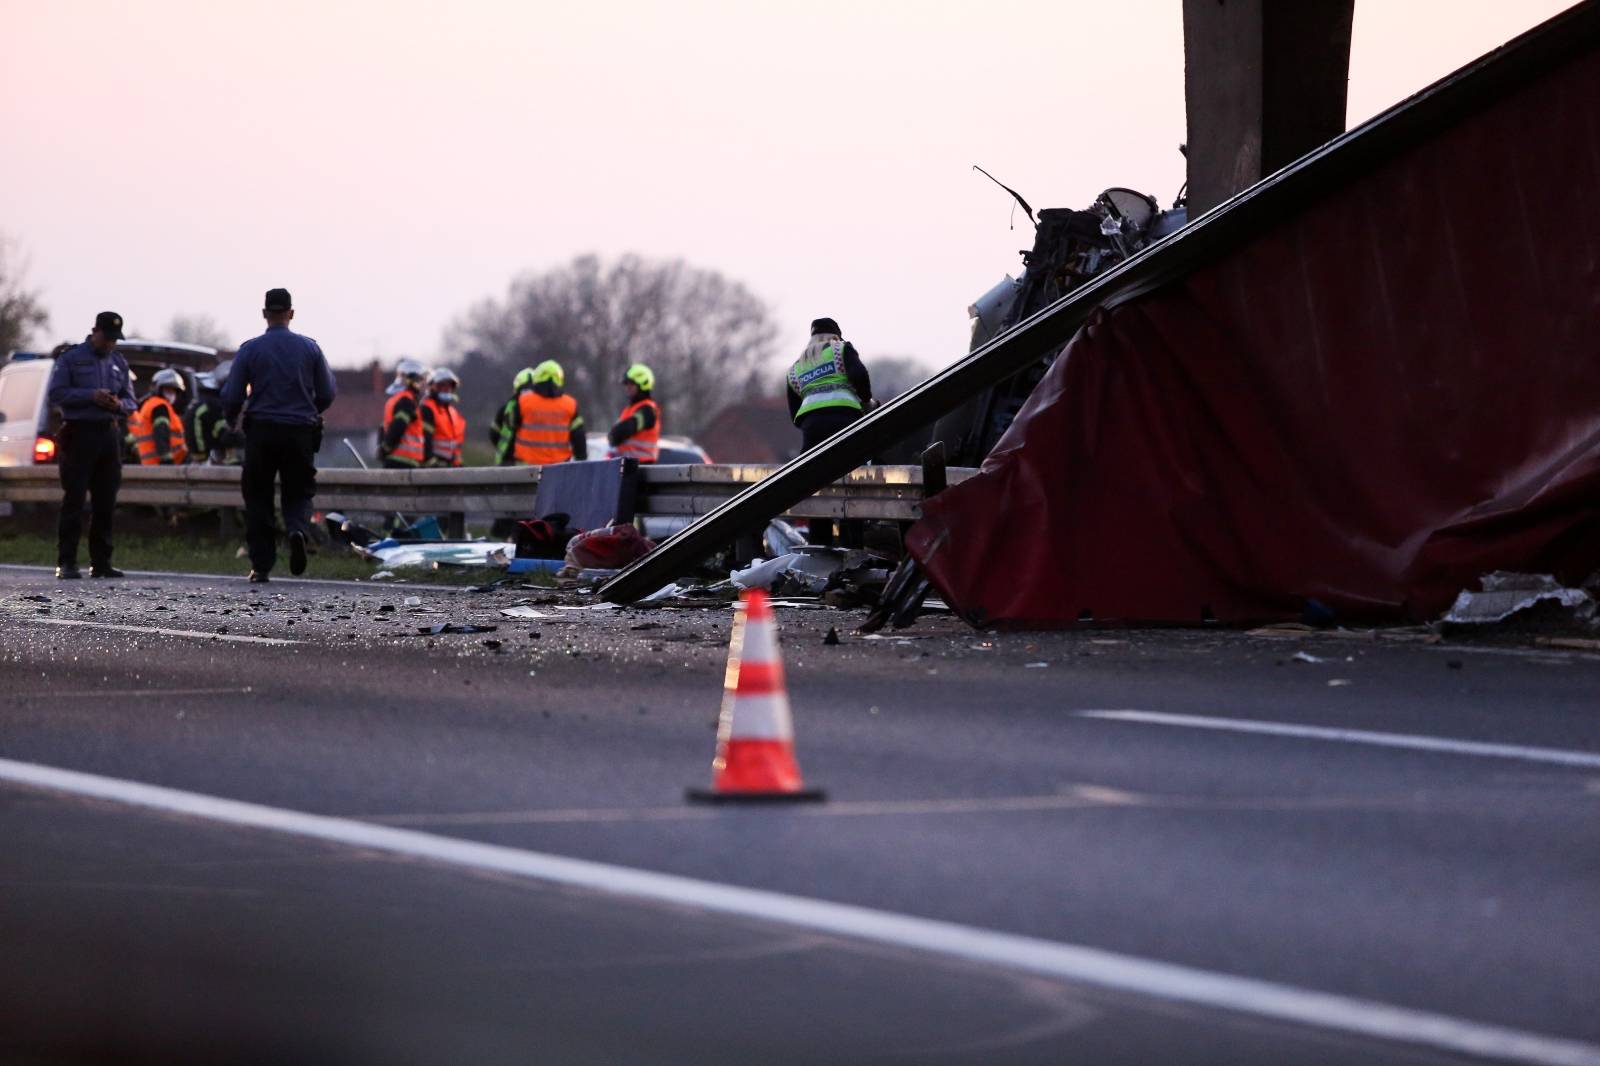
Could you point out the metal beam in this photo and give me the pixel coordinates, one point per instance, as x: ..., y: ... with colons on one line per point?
x: 1264, y: 83
x: 1571, y: 33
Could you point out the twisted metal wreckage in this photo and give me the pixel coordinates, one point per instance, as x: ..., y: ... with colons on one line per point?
x: 1363, y: 382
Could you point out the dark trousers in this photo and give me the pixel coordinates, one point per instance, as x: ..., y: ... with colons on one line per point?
x: 815, y: 428
x: 274, y: 450
x: 90, y: 458
x: 818, y: 426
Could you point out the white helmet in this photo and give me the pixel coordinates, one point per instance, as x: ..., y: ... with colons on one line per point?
x: 168, y: 376
x: 406, y: 372
x: 442, y: 375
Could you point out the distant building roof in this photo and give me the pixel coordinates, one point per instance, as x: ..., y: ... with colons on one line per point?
x: 359, y: 404
x: 751, y: 431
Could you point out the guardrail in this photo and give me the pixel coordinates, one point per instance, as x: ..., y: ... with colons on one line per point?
x: 888, y: 493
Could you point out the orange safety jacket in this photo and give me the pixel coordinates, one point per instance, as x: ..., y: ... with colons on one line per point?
x: 544, y: 428
x: 644, y: 445
x: 142, y: 427
x: 409, y: 450
x: 449, y: 431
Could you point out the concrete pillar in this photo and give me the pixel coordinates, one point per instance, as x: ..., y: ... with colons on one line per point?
x: 1264, y: 83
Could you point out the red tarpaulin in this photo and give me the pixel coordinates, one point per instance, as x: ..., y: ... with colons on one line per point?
x: 1372, y: 404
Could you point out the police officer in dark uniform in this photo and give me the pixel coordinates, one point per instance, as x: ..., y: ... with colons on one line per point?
x: 290, y: 386
x: 91, y: 384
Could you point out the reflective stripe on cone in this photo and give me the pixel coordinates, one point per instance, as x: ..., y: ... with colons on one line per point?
x: 755, y: 734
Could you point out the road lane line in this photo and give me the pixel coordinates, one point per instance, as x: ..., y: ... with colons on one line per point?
x: 1063, y: 961
x: 1558, y: 756
x: 235, y: 638
x: 121, y: 694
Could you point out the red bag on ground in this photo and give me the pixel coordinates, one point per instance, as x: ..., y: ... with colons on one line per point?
x: 611, y: 548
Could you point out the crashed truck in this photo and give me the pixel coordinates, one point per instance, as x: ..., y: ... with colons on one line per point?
x: 1069, y: 248
x: 1362, y: 384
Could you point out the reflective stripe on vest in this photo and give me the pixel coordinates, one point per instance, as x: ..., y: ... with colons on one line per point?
x: 142, y: 428
x: 645, y: 445
x: 449, y: 431
x: 819, y: 378
x: 544, y: 428
x: 409, y: 450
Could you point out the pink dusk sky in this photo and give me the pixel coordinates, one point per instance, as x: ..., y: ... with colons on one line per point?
x: 394, y: 162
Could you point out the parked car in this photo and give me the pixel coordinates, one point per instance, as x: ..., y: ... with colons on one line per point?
x: 673, y: 450
x: 28, y: 426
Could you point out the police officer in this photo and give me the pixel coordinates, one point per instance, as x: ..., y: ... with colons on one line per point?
x: 156, y: 428
x: 290, y: 386
x: 637, y: 434
x: 210, y: 438
x: 92, y: 385
x: 444, y: 428
x: 400, y: 443
x: 829, y: 386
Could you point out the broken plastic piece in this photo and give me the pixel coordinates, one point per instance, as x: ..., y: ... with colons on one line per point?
x: 807, y: 569
x: 523, y: 612
x: 1505, y: 594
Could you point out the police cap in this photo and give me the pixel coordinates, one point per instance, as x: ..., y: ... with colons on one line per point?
x: 109, y: 323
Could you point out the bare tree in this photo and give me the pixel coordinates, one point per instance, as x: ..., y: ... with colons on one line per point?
x: 197, y: 329
x: 894, y: 374
x: 704, y: 335
x: 20, y: 310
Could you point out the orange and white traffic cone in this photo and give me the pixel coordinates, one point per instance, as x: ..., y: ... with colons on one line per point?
x: 755, y: 736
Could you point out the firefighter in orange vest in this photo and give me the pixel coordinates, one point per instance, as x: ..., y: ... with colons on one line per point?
x: 637, y: 434
x: 546, y: 426
x: 400, y: 445
x: 444, y: 428
x: 156, y: 429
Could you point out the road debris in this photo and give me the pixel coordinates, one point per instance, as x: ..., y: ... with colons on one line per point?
x: 402, y: 555
x: 522, y: 611
x: 610, y: 548
x: 1506, y: 594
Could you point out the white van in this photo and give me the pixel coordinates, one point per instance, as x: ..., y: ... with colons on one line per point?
x: 28, y: 426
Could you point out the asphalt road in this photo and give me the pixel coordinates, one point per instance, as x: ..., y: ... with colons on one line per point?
x: 1037, y: 848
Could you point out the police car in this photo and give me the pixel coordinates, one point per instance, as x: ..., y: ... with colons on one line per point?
x: 28, y: 426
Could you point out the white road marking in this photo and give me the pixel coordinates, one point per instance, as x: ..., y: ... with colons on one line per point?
x: 124, y: 694
x: 1069, y: 962
x: 236, y: 638
x: 1558, y: 756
